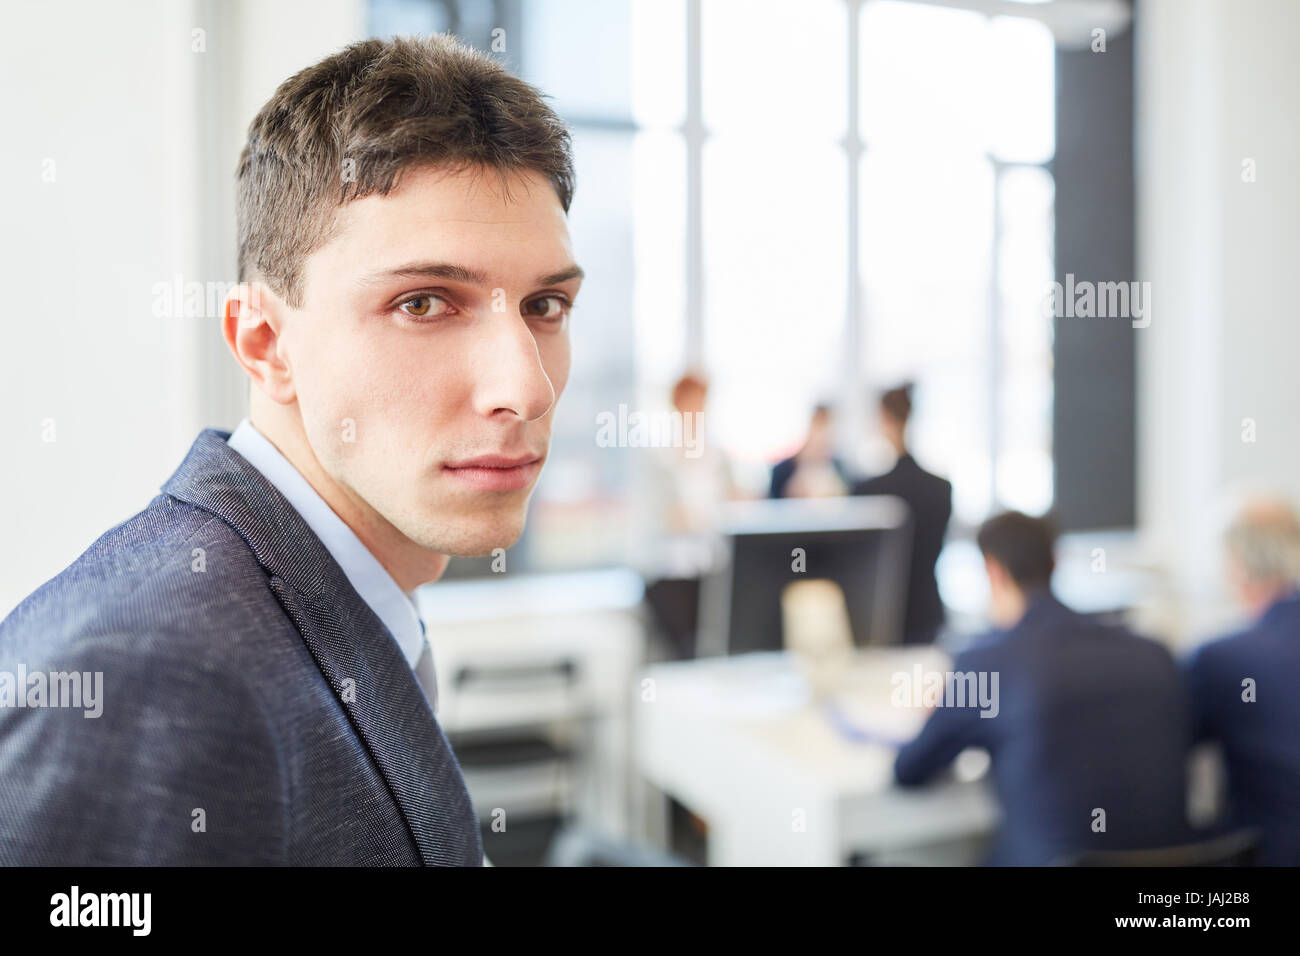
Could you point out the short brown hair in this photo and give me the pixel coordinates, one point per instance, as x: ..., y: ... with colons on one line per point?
x: 897, y: 403
x: 1023, y: 545
x: 347, y: 127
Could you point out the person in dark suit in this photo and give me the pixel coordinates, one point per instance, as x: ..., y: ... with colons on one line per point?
x: 1243, y: 686
x: 814, y: 471
x: 929, y: 498
x: 1087, y: 723
x: 239, y: 674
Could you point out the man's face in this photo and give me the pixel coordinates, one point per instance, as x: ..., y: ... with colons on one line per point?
x: 431, y: 347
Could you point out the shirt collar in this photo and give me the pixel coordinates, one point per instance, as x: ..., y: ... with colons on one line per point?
x: 373, y: 583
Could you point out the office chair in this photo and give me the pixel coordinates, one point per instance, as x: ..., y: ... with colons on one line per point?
x: 1237, y: 848
x: 535, y: 768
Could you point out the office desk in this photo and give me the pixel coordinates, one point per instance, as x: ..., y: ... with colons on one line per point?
x: 741, y: 742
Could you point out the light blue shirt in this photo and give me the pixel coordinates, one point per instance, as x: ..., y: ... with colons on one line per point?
x: 394, y: 607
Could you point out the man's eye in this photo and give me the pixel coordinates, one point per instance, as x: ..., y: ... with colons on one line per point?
x: 547, y: 307
x: 423, y: 306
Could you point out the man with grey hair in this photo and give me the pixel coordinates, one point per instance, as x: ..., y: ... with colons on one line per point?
x: 1243, y: 686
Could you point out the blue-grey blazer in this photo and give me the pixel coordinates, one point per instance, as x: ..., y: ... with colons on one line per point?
x: 254, y: 710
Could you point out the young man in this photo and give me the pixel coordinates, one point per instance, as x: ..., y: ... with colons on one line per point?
x: 1243, y: 687
x: 1087, y: 735
x: 267, y: 693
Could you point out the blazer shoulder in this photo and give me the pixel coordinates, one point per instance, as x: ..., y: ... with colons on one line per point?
x: 173, y: 579
x: 1139, y: 655
x: 986, y: 648
x: 1213, y: 654
x: 942, y: 486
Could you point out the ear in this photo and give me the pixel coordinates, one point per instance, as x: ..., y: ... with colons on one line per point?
x: 251, y: 325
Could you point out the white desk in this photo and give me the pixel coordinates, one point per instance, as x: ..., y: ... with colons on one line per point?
x: 740, y: 742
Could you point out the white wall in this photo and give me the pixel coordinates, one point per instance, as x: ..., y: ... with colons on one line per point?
x: 143, y: 133
x: 1218, y: 82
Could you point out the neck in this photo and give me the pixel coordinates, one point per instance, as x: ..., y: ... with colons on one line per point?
x: 409, y: 564
x: 1013, y: 609
x: 1259, y: 600
x: 1013, y: 603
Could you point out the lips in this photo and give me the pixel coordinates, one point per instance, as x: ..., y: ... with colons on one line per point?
x: 496, y: 472
x: 494, y: 461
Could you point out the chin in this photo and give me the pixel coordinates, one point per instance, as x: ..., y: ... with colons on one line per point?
x: 475, y: 536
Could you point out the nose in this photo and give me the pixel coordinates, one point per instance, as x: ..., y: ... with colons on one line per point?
x: 511, y: 379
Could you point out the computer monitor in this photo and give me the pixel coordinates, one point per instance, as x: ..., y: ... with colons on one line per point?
x: 862, y: 543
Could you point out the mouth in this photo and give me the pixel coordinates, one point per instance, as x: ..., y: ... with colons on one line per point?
x: 496, y: 472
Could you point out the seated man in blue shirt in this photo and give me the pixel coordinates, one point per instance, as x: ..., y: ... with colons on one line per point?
x: 1087, y: 736
x: 1243, y: 687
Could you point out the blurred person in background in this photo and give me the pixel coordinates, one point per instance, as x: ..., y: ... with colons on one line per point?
x: 1244, y: 686
x: 690, y: 481
x: 813, y: 471
x: 681, y: 537
x: 929, y: 498
x: 1087, y: 733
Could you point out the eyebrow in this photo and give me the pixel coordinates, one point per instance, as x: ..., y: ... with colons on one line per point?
x: 564, y: 275
x: 455, y: 273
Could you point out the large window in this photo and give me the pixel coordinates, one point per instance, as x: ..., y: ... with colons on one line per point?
x: 810, y: 201
x: 957, y: 129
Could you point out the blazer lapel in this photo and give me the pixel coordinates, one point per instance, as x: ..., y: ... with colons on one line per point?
x: 354, y: 651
